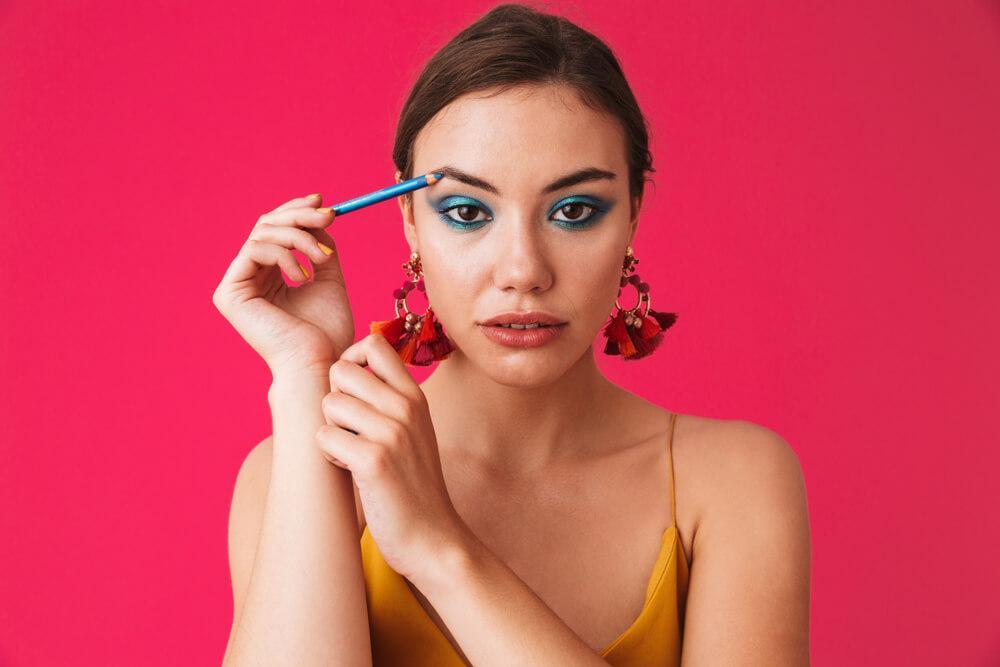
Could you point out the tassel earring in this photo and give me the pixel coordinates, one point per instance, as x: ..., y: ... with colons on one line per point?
x: 630, y: 334
x: 418, y: 339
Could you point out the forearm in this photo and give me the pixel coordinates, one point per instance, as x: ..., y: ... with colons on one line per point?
x: 305, y: 604
x: 495, y: 617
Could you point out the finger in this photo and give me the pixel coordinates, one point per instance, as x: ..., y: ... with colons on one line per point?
x: 299, y: 216
x: 291, y: 237
x: 340, y: 447
x: 327, y: 270
x: 309, y: 200
x: 255, y: 254
x: 323, y: 237
x: 360, y: 418
x: 349, y: 378
x: 375, y: 352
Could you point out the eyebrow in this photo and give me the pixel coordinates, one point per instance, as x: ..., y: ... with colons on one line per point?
x: 579, y: 176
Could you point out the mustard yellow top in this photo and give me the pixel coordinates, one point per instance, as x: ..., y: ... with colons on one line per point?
x: 403, y: 634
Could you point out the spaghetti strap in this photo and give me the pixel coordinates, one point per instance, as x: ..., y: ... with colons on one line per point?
x: 670, y: 457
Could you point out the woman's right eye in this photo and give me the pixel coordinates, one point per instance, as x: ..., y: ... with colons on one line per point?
x: 468, y: 215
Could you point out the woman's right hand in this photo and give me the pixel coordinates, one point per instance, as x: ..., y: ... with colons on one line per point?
x: 295, y: 329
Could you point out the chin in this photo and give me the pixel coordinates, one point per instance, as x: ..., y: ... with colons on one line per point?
x: 522, y: 368
x: 524, y: 373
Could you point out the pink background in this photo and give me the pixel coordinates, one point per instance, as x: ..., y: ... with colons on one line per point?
x: 824, y: 221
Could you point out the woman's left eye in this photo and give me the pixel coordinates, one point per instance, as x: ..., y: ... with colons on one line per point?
x: 575, y: 212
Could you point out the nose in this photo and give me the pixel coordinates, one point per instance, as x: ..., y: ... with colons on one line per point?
x: 521, y: 262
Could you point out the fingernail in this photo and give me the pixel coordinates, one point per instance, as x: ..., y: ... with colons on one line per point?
x: 312, y: 196
x: 324, y: 209
x: 328, y: 251
x: 305, y: 271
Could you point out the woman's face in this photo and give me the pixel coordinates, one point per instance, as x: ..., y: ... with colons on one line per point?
x: 529, y: 242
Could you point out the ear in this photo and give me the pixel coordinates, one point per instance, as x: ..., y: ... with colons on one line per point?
x: 636, y: 203
x: 405, y: 207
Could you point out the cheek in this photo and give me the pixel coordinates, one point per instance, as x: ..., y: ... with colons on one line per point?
x: 595, y: 272
x: 597, y: 292
x: 451, y: 286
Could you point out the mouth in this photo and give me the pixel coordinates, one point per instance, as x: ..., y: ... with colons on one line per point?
x: 529, y: 319
x: 534, y: 325
x: 518, y: 335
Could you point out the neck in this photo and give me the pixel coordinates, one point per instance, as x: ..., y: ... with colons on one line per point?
x: 519, y: 429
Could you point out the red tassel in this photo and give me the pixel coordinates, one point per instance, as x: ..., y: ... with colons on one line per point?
x: 636, y: 342
x: 393, y: 330
x: 417, y: 349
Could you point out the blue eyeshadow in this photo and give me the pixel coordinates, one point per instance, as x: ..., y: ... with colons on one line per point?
x: 442, y: 206
x: 597, y: 208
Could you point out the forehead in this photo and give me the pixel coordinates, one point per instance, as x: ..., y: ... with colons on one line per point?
x: 526, y: 133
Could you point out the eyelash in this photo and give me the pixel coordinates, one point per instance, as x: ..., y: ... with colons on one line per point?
x: 595, y: 212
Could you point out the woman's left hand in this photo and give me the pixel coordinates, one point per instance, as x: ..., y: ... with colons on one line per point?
x: 379, y: 427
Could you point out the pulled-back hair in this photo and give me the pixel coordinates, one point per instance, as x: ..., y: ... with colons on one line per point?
x: 512, y: 45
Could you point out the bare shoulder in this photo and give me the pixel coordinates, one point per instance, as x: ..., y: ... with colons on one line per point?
x: 246, y: 511
x: 736, y: 473
x: 249, y: 498
x: 751, y: 547
x: 723, y: 465
x: 724, y: 452
x: 256, y: 467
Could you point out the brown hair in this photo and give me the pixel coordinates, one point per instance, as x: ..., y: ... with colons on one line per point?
x: 515, y: 44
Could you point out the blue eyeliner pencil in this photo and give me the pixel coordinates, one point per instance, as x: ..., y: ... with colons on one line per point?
x: 386, y: 193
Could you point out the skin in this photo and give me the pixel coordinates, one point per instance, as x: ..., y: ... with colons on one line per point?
x: 460, y: 488
x: 534, y: 406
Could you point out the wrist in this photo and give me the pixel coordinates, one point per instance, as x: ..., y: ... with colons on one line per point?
x: 453, y: 560
x: 291, y: 366
x: 298, y: 383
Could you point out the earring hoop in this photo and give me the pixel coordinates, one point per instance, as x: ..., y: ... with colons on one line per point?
x: 632, y: 334
x: 418, y: 339
x: 415, y: 280
x: 641, y: 288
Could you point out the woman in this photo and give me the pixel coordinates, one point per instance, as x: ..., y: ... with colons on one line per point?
x: 516, y: 507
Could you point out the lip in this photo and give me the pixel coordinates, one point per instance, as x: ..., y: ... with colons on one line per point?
x: 522, y: 317
x: 522, y: 337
